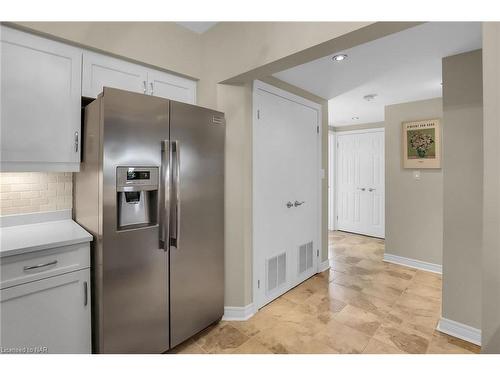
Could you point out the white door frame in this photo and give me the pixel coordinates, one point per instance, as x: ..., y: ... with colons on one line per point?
x: 259, y: 85
x: 347, y: 132
x: 332, y: 178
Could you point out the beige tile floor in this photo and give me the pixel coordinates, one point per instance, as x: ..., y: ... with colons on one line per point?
x: 361, y: 305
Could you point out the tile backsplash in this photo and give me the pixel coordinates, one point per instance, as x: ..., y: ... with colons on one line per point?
x: 27, y: 192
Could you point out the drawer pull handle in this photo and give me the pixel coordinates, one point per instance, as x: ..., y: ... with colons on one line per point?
x: 86, y: 294
x: 27, y: 268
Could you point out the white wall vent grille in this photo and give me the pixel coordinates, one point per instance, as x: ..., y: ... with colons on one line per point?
x: 276, y: 272
x: 305, y: 257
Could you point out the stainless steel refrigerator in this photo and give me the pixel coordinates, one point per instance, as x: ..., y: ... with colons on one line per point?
x: 151, y: 191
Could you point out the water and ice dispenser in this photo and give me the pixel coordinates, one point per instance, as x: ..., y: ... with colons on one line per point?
x: 136, y: 197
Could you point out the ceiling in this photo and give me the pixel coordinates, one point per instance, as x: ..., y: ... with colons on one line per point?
x: 399, y: 68
x: 197, y: 27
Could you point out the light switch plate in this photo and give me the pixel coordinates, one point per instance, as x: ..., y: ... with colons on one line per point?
x: 416, y: 175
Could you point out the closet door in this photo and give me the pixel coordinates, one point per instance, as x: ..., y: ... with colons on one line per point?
x: 349, y: 188
x: 360, y: 182
x: 373, y: 180
x: 286, y: 191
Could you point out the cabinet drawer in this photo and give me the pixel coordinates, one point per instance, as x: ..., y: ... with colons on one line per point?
x: 23, y: 268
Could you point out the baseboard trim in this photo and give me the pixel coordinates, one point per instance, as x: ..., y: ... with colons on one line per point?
x: 413, y: 263
x: 323, y: 266
x: 459, y: 330
x: 238, y: 313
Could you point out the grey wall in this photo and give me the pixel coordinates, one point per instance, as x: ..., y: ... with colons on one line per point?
x: 490, y: 324
x: 413, y: 208
x: 463, y: 187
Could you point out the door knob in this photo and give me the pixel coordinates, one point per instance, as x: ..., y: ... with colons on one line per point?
x: 362, y: 189
x: 297, y: 203
x: 289, y: 204
x: 371, y: 189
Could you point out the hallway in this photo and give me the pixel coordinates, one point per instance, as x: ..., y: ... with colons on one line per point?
x: 361, y: 305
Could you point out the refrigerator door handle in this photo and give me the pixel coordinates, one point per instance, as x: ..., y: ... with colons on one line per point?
x: 176, y: 149
x: 165, y: 208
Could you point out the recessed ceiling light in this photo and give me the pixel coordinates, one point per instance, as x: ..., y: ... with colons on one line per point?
x: 370, y: 97
x: 340, y: 57
x: 355, y: 118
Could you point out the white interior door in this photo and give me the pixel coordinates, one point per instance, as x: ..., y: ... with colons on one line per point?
x: 373, y: 177
x: 286, y: 188
x: 360, y: 182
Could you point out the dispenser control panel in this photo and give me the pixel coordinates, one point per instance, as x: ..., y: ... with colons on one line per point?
x: 133, y: 175
x: 136, y: 178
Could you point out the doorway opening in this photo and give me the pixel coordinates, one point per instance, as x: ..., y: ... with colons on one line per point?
x: 385, y: 221
x: 359, y: 175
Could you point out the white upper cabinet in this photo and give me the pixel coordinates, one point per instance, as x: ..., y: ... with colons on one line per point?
x: 101, y: 70
x: 40, y: 103
x: 172, y: 87
x: 42, y: 82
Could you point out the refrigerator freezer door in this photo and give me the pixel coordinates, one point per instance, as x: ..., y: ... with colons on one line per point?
x: 132, y: 269
x: 197, y: 263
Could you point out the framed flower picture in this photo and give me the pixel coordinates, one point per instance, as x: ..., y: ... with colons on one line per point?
x: 422, y: 144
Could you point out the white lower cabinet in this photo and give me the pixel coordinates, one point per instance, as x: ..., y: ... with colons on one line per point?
x: 46, y: 306
x: 47, y: 316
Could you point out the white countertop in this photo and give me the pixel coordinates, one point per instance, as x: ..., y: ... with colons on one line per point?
x: 18, y: 239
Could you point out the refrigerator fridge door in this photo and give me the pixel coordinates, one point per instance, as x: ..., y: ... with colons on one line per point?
x: 132, y: 264
x: 197, y: 219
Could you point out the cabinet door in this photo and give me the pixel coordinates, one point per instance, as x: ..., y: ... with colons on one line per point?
x: 172, y: 87
x: 41, y: 102
x: 101, y: 70
x: 52, y: 313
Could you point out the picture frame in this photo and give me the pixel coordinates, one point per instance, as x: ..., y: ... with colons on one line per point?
x: 422, y: 144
